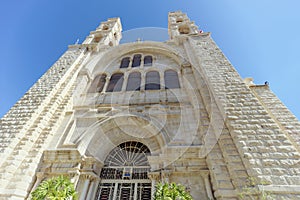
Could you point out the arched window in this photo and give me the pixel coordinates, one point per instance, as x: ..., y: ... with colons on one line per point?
x: 136, y: 62
x: 125, y: 62
x: 134, y: 81
x: 98, y: 83
x: 179, y: 20
x: 125, y: 173
x: 148, y: 61
x: 171, y: 79
x: 184, y: 29
x: 97, y: 38
x: 105, y: 27
x: 115, y: 83
x: 152, y: 81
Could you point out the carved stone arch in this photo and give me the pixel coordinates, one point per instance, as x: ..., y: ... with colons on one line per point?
x: 117, y: 53
x: 125, y: 174
x: 101, y: 137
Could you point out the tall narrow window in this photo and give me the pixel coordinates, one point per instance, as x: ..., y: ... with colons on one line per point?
x: 134, y: 81
x: 98, y: 83
x: 136, y: 60
x: 152, y: 81
x: 148, y: 61
x: 125, y: 62
x: 115, y: 83
x: 171, y: 79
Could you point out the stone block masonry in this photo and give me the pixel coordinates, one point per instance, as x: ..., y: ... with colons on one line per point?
x: 27, y: 128
x: 266, y: 150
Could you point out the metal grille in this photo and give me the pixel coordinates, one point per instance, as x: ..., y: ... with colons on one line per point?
x: 125, y: 173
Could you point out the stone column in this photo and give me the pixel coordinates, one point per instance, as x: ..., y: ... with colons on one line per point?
x: 89, y: 181
x: 85, y: 188
x: 74, y: 177
x: 154, y: 177
x: 125, y: 80
x: 106, y: 83
x: 209, y: 193
x: 143, y: 80
x: 130, y: 62
x: 162, y: 80
x: 39, y: 177
x: 93, y: 186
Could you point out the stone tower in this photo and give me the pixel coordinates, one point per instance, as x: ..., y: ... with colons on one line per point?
x: 117, y: 119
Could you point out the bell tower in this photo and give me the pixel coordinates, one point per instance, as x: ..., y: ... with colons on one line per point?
x: 108, y: 33
x: 180, y: 24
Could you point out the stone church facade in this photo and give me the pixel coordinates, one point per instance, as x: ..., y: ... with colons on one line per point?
x: 117, y: 119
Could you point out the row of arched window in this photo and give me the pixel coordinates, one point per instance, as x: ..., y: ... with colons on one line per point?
x: 136, y: 61
x: 152, y: 81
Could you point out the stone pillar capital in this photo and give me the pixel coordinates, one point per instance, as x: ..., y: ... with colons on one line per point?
x: 165, y: 174
x: 89, y: 175
x: 40, y: 175
x: 154, y: 176
x: 204, y: 174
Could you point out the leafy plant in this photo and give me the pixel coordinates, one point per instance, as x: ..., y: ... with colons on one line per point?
x: 171, y: 191
x: 55, y: 188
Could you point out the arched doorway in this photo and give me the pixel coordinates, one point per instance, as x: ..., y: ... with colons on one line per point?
x: 125, y: 173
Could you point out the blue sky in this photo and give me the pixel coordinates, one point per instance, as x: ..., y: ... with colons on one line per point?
x: 259, y: 37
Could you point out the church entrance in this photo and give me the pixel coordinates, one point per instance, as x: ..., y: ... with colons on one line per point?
x: 125, y: 173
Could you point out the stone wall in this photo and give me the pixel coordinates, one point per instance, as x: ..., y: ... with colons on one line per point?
x: 264, y: 149
x: 279, y: 113
x: 27, y: 129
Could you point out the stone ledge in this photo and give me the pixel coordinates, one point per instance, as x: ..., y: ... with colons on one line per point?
x: 223, y: 193
x: 281, y: 189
